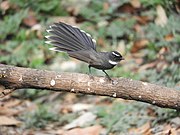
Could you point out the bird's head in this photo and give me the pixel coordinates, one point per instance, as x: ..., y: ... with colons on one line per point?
x: 115, y: 57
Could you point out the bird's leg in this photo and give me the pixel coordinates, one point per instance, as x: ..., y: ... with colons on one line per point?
x: 107, y: 75
x: 91, y: 77
x: 89, y: 69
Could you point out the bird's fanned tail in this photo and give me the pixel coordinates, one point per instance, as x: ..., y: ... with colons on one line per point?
x: 67, y: 38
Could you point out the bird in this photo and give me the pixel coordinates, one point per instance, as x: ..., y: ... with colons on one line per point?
x: 80, y: 45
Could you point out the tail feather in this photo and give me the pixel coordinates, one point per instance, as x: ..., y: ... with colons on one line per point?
x: 63, y: 37
x: 61, y: 32
x: 59, y: 41
x: 69, y: 39
x: 80, y: 34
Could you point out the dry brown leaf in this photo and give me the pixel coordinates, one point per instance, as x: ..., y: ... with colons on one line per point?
x: 8, y: 111
x: 126, y: 8
x: 4, y: 5
x: 5, y: 92
x: 8, y: 121
x: 140, y: 44
x: 100, y: 41
x: 12, y: 103
x: 30, y: 20
x: 93, y: 130
x: 147, y: 66
x: 161, y: 65
x: 143, y: 19
x: 169, y: 37
x: 81, y: 120
x: 161, y: 18
x: 66, y: 19
x: 168, y: 130
x: 135, y: 3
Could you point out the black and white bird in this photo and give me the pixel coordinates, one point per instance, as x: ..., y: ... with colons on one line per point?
x: 80, y: 45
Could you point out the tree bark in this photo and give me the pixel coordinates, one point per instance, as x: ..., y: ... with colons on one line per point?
x: 17, y: 78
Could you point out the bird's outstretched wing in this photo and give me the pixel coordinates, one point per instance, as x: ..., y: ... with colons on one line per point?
x: 68, y: 38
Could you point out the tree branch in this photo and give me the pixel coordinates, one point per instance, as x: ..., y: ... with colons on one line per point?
x: 17, y: 78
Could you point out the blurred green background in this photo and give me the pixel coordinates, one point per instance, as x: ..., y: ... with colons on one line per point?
x: 147, y: 33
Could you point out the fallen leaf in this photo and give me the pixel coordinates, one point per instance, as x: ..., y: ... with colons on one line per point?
x: 135, y: 3
x: 8, y: 121
x: 100, y: 41
x: 143, y: 19
x: 169, y: 37
x: 66, y: 19
x: 30, y: 20
x: 93, y: 130
x: 126, y: 8
x: 4, y: 5
x: 81, y: 107
x: 8, y: 111
x: 139, y: 44
x: 161, y: 18
x: 12, y: 103
x: 5, y: 92
x: 81, y: 121
x: 147, y: 66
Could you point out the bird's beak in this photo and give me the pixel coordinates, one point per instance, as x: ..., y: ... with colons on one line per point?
x: 122, y: 58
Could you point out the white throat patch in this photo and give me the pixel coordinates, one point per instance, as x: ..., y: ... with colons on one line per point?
x: 112, y: 62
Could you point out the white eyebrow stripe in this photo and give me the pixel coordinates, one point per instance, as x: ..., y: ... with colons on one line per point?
x: 115, y: 54
x: 112, y: 62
